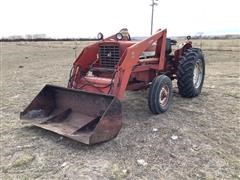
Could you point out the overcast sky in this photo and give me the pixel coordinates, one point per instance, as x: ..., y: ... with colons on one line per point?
x: 85, y: 18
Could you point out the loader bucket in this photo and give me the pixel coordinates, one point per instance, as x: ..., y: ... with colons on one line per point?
x: 86, y: 117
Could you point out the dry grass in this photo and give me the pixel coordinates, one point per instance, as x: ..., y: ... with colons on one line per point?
x: 207, y: 127
x: 219, y: 45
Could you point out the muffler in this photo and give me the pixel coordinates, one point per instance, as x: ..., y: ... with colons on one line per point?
x: 86, y: 117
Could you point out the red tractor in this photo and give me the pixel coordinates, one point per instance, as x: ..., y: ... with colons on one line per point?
x: 89, y: 109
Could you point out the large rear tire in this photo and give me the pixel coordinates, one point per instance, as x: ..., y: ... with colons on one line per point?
x: 160, y: 94
x: 191, y: 72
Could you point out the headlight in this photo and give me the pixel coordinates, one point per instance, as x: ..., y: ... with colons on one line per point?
x: 119, y: 36
x: 189, y: 37
x: 100, y: 36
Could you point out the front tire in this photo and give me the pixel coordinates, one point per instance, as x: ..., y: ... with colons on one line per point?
x: 160, y: 94
x: 191, y: 72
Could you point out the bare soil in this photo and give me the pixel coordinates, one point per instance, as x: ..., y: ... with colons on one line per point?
x: 197, y: 138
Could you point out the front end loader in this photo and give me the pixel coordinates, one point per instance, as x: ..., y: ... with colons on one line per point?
x: 89, y: 109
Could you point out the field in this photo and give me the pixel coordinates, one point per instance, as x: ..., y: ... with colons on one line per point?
x: 197, y: 138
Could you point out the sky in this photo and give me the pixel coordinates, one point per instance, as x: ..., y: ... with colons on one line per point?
x: 85, y: 18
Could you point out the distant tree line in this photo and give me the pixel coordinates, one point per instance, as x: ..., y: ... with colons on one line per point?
x: 46, y: 39
x: 228, y: 36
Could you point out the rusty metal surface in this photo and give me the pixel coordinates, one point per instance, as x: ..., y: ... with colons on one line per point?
x: 83, y: 116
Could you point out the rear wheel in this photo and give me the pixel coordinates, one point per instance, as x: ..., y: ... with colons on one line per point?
x: 191, y: 71
x: 160, y: 94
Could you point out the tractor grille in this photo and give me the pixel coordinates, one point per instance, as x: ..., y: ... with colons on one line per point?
x: 109, y: 55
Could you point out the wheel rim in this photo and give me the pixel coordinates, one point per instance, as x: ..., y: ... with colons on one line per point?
x: 164, y: 96
x: 198, y: 74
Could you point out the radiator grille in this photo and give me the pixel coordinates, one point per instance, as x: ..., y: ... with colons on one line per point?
x: 109, y: 55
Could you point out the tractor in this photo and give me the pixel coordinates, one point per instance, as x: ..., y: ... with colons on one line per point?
x: 89, y: 109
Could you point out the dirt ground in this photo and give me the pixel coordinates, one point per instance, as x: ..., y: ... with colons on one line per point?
x: 197, y: 138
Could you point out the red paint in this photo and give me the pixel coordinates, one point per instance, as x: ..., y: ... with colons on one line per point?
x: 130, y: 73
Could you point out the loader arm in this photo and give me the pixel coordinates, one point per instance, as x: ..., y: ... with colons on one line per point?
x: 130, y: 58
x: 81, y: 64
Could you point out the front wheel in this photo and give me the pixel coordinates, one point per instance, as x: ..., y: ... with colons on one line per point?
x: 160, y: 94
